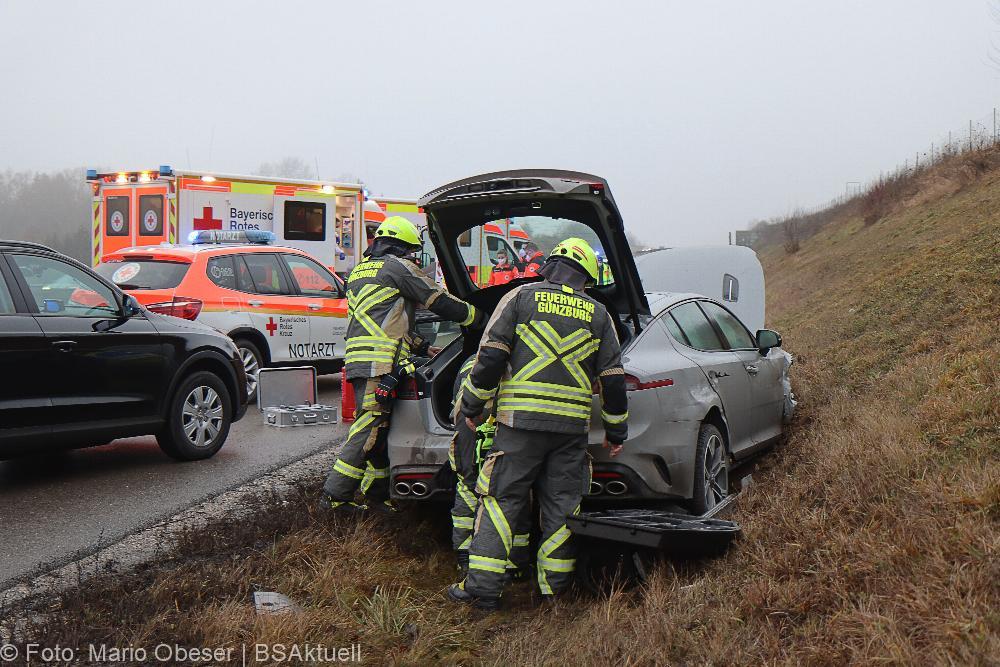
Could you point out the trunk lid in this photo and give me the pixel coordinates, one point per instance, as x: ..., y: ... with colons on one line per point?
x: 544, y: 202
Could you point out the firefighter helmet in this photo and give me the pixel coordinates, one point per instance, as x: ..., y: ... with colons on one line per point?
x: 580, y: 252
x: 398, y: 227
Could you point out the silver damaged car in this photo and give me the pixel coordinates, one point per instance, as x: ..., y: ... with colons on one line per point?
x: 704, y: 391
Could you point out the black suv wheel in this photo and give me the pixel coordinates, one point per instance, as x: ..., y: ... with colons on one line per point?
x: 198, y: 420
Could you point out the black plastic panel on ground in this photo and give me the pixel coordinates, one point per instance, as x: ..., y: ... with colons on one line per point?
x: 670, y: 532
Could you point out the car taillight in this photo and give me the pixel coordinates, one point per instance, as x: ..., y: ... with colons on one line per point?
x: 407, y: 390
x: 415, y: 475
x: 181, y: 306
x: 632, y: 383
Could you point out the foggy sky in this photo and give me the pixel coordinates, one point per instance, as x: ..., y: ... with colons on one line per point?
x: 702, y: 115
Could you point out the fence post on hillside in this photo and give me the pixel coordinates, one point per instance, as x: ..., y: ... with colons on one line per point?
x: 970, y: 135
x: 994, y: 124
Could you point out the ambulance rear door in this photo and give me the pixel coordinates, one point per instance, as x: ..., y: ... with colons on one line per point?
x: 118, y: 225
x: 150, y: 201
x: 134, y: 214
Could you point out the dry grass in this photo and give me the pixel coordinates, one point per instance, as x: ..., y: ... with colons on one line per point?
x: 871, y: 536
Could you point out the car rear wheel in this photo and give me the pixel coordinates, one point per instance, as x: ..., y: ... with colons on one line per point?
x: 198, y: 420
x: 711, y: 470
x: 253, y: 361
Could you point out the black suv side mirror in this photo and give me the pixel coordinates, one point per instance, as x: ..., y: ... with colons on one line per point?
x: 130, y: 307
x: 766, y: 339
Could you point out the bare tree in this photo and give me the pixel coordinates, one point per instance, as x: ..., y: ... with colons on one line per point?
x: 288, y: 167
x: 50, y: 208
x: 994, y: 52
x: 790, y: 229
x: 635, y: 244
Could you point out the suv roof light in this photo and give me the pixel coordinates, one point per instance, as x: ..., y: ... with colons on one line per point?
x: 212, y: 236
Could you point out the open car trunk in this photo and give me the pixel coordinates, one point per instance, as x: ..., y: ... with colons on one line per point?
x: 551, y: 205
x: 563, y: 196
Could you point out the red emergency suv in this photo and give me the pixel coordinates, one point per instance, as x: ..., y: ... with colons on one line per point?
x: 279, y: 305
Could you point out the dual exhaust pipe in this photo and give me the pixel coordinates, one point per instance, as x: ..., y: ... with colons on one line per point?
x: 613, y: 488
x: 415, y: 489
x: 420, y: 489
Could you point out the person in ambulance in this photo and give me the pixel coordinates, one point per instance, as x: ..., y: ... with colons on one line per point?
x: 279, y: 305
x: 533, y: 260
x: 503, y: 271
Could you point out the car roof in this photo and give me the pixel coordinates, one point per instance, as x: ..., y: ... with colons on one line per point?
x: 188, y: 253
x: 24, y: 245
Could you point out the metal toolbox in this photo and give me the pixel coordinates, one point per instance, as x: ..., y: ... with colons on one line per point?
x: 300, y: 415
x: 287, y: 397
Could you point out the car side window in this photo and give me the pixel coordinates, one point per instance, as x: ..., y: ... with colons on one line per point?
x: 312, y: 279
x: 220, y: 271
x: 305, y: 221
x: 58, y: 288
x: 243, y: 281
x: 675, y: 331
x: 736, y: 334
x: 6, y: 302
x: 730, y: 288
x: 696, y: 327
x: 266, y: 274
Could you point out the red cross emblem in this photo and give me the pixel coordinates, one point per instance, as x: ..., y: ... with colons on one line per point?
x: 206, y: 221
x: 271, y: 326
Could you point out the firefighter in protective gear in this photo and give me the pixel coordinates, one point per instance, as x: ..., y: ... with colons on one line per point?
x: 469, y: 448
x: 383, y: 292
x: 545, y: 345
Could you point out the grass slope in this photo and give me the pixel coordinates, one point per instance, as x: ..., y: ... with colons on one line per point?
x: 872, y: 535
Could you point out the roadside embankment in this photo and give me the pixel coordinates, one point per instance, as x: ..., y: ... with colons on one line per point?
x: 871, y: 535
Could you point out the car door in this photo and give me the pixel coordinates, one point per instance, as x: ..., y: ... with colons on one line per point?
x: 763, y: 372
x: 273, y: 311
x: 104, y: 367
x: 701, y: 343
x: 327, y: 308
x: 24, y: 394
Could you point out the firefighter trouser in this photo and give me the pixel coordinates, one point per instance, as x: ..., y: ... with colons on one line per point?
x: 556, y: 465
x: 463, y: 513
x: 364, y: 460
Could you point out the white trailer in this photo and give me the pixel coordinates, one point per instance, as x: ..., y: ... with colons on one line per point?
x: 730, y: 273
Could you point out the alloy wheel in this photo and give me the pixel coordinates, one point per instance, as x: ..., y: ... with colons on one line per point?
x: 202, y: 415
x: 716, y: 471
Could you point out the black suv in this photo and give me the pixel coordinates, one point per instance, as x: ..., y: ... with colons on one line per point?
x: 82, y: 363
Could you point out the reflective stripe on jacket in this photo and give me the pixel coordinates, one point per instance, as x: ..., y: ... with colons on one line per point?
x: 545, y: 347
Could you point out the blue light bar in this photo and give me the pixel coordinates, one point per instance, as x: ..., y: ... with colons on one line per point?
x: 249, y: 236
x: 165, y: 170
x: 91, y: 174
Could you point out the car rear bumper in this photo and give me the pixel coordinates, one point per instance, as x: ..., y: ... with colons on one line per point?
x: 656, y: 463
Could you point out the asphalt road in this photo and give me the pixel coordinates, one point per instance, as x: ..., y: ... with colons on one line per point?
x: 62, y: 506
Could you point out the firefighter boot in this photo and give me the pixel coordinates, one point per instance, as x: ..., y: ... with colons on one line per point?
x: 457, y: 593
